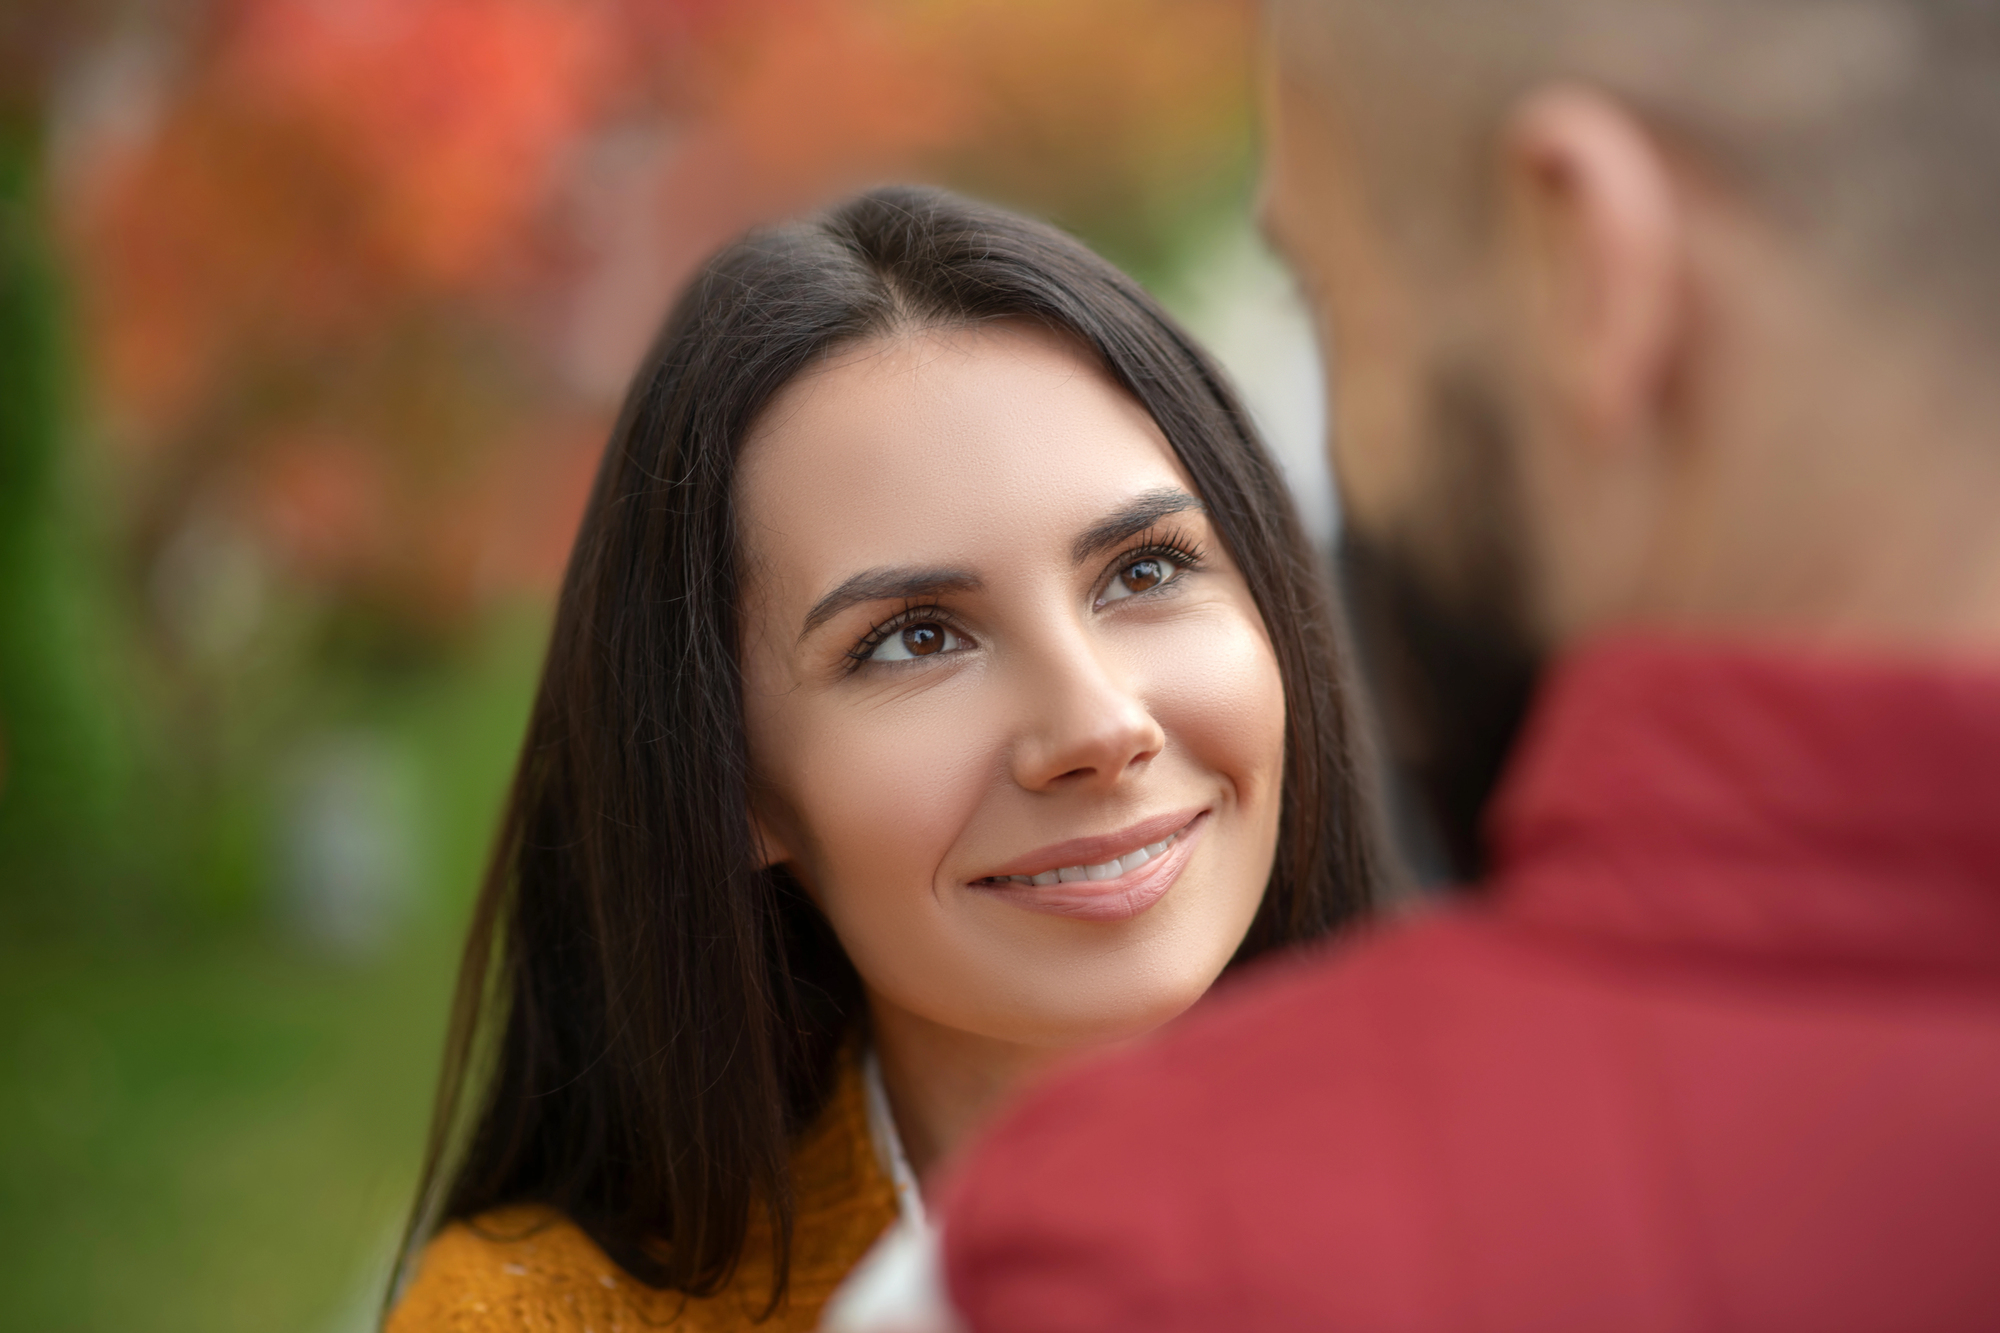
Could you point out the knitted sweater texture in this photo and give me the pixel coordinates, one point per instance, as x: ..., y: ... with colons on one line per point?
x: 527, y: 1269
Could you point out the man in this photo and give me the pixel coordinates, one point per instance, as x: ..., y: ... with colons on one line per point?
x: 1662, y: 334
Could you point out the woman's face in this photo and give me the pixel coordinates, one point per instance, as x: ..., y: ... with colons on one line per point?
x: 1015, y: 721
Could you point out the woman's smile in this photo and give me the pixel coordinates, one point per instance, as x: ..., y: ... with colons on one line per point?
x: 987, y: 605
x: 1116, y: 888
x: 940, y: 688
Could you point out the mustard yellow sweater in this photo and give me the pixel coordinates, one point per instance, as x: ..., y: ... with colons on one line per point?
x: 527, y: 1268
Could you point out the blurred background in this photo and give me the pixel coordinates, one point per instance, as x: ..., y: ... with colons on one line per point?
x: 313, y: 314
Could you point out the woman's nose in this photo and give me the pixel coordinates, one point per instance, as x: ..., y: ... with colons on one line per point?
x: 1084, y: 726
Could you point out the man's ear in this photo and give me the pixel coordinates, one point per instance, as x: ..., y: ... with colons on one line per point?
x: 1597, y: 233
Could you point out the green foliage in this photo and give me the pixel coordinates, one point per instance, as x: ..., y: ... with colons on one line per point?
x: 64, y: 760
x: 214, y: 1124
x: 215, y: 1136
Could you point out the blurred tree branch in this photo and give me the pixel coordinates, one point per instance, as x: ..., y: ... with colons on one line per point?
x: 313, y: 314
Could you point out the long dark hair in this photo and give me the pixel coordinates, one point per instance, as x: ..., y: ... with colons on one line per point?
x: 645, y: 1017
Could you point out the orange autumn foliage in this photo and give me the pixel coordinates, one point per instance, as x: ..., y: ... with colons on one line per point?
x: 369, y: 272
x: 445, y: 117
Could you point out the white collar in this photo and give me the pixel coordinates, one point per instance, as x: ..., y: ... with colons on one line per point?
x: 889, y: 1145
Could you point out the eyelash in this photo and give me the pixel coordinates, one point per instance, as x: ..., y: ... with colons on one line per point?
x: 1182, y: 552
x: 1172, y: 546
x: 915, y: 613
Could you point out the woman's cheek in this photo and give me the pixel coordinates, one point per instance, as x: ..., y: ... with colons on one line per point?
x: 1216, y: 690
x: 887, y: 793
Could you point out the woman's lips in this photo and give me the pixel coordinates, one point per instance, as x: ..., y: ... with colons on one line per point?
x: 1111, y: 897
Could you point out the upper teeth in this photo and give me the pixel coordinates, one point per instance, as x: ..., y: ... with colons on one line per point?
x: 1104, y: 870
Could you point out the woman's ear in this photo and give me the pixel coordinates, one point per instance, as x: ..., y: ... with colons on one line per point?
x: 776, y: 846
x: 773, y: 848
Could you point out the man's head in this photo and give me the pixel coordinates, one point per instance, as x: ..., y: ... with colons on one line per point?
x: 1658, y: 312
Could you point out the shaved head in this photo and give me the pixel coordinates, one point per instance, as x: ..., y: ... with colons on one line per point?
x: 1662, y: 313
x: 1869, y: 129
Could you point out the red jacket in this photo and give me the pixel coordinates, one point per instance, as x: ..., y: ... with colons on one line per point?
x: 1717, y: 1049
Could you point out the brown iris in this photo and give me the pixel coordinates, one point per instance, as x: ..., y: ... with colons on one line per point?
x: 924, y: 639
x: 1144, y: 575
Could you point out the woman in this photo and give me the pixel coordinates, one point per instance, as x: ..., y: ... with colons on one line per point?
x: 940, y: 685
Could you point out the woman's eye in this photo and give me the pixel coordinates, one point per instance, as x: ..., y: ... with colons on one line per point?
x: 925, y: 638
x: 1142, y: 575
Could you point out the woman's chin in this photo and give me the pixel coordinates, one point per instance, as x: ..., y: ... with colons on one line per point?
x: 1127, y: 1019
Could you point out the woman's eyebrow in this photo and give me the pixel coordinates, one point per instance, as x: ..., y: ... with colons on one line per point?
x: 888, y: 584
x: 1142, y: 512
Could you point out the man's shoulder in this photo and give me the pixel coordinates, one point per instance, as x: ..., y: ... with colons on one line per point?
x: 1137, y: 1167
x: 1471, y: 1113
x: 1280, y: 1032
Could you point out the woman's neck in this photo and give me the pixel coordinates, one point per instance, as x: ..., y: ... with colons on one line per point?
x: 944, y: 1083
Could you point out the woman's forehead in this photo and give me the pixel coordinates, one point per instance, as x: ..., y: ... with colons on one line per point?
x: 944, y: 443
